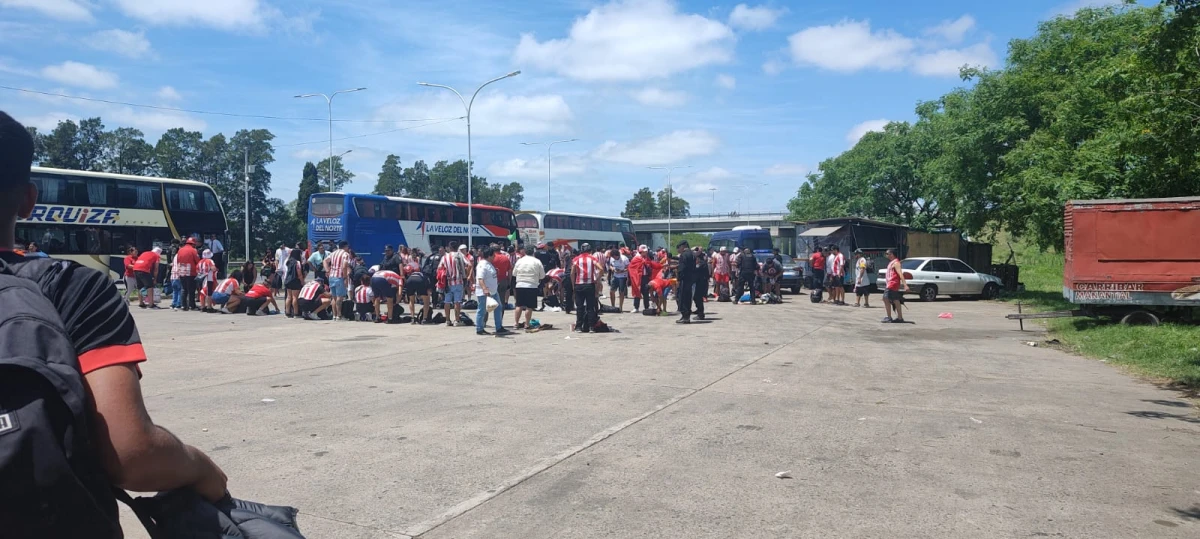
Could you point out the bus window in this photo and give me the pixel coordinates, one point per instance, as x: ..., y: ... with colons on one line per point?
x: 51, y: 190
x: 328, y: 207
x: 431, y: 213
x: 574, y: 224
x: 145, y: 196
x: 210, y: 202
x: 183, y: 199
x: 83, y: 192
x: 367, y: 209
x: 526, y: 220
x: 395, y: 210
x: 626, y: 226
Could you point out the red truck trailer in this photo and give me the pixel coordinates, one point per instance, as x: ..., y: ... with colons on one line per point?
x: 1132, y: 259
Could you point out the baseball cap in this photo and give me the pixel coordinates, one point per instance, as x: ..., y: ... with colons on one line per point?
x: 462, y: 247
x: 724, y: 249
x: 541, y: 245
x: 643, y: 247
x: 191, y: 241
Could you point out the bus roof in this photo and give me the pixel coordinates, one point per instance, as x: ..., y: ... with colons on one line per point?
x: 406, y: 199
x: 573, y: 214
x: 107, y: 175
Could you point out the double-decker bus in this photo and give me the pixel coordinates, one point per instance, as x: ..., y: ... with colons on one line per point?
x: 560, y: 228
x: 368, y: 222
x: 93, y: 217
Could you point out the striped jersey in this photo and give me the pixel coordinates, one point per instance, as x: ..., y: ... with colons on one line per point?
x: 363, y: 294
x: 720, y: 264
x: 392, y: 277
x: 227, y: 286
x: 338, y: 261
x: 556, y: 274
x: 584, y: 269
x: 175, y: 268
x: 311, y: 290
x: 206, y: 270
x: 454, y: 273
x: 601, y: 258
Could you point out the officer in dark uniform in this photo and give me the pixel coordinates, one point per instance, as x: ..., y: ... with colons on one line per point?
x: 687, y: 282
x: 702, y: 275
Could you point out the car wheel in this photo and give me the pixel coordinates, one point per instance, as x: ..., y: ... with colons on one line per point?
x: 929, y: 292
x: 991, y: 291
x: 1140, y: 318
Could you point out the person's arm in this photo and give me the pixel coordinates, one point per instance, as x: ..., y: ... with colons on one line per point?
x: 137, y: 454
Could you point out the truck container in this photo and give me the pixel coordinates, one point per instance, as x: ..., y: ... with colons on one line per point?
x: 1136, y: 258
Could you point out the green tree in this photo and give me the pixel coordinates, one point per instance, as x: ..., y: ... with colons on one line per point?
x: 668, y: 203
x: 641, y: 206
x: 89, y: 144
x: 278, y: 225
x: 125, y: 151
x: 39, y: 145
x: 309, y: 185
x: 177, y: 153
x: 416, y: 182
x: 391, y: 177
x: 341, y: 176
x: 60, y: 146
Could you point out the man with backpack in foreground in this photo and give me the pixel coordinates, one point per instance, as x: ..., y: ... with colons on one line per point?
x: 73, y: 424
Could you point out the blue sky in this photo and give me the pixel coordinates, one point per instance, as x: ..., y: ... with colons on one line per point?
x: 747, y: 94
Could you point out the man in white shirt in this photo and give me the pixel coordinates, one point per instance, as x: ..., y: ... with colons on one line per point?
x: 618, y: 268
x: 487, y: 286
x: 281, y: 257
x: 862, y: 281
x: 529, y: 273
x: 218, y: 251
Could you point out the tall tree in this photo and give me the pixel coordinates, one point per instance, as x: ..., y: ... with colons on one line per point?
x: 391, y: 177
x: 341, y: 176
x: 309, y: 185
x: 61, y: 146
x: 177, y: 153
x: 126, y: 152
x: 416, y: 180
x: 39, y: 145
x: 668, y: 203
x: 641, y: 206
x: 89, y: 144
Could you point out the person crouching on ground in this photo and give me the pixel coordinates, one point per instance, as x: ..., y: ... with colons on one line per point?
x: 314, y: 298
x: 386, y: 286
x: 228, y: 293
x: 257, y: 299
x: 529, y: 273
x: 364, y: 299
x: 417, y: 285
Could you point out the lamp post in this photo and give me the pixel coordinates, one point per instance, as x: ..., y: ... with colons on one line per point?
x: 670, y: 196
x: 246, y: 220
x: 329, y: 104
x: 714, y: 192
x: 549, y: 145
x: 466, y: 105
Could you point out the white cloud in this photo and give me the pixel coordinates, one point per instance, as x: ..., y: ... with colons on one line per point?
x: 657, y: 97
x: 745, y: 17
x: 726, y: 81
x: 952, y: 31
x: 494, y: 114
x: 946, y: 62
x: 628, y: 40
x: 167, y: 93
x: 666, y: 149
x: 153, y: 121
x: 851, y: 46
x: 221, y: 14
x: 787, y: 169
x: 45, y: 122
x: 863, y: 128
x: 79, y: 74
x: 71, y: 10
x: 131, y: 44
x: 535, y: 169
x: 772, y: 67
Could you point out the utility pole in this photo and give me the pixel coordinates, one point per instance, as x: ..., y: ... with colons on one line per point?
x: 246, y: 219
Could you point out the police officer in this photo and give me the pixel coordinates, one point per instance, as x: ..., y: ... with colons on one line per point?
x: 686, y: 273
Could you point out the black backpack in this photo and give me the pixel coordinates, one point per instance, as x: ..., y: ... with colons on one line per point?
x: 51, y: 481
x: 429, y: 267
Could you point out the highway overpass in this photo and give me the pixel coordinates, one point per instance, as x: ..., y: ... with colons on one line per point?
x: 653, y: 232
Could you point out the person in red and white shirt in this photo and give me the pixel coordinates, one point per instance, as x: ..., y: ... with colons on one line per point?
x: 337, y: 267
x: 364, y: 300
x: 721, y: 271
x: 584, y: 273
x: 454, y: 267
x: 386, y: 286
x: 206, y: 279
x: 228, y: 293
x: 314, y: 298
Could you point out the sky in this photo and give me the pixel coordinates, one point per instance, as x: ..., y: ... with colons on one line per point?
x: 749, y: 97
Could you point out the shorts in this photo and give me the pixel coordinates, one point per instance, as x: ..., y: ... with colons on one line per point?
x: 382, y: 289
x: 620, y: 285
x: 720, y: 277
x: 892, y: 295
x: 417, y: 287
x: 454, y: 294
x: 308, y: 305
x: 294, y: 285
x: 253, y: 304
x: 364, y: 308
x: 819, y: 276
x: 220, y: 298
x: 337, y: 287
x: 501, y: 287
x: 527, y: 298
x: 830, y: 281
x: 862, y: 291
x: 143, y: 279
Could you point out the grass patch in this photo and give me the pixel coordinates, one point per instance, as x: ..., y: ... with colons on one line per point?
x: 1169, y: 352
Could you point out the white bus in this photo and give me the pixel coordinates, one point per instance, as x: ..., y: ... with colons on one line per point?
x: 558, y: 228
x: 93, y: 217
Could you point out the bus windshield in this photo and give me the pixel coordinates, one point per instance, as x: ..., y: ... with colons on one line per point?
x: 327, y: 206
x: 757, y: 243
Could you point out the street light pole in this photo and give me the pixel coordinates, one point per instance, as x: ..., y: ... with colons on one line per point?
x: 246, y: 219
x: 549, y: 145
x: 714, y: 192
x: 466, y: 105
x: 329, y: 105
x: 670, y: 196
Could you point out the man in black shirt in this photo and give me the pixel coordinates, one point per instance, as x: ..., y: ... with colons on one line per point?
x: 135, y: 453
x: 687, y: 282
x: 747, y: 271
x: 703, y: 274
x: 391, y: 260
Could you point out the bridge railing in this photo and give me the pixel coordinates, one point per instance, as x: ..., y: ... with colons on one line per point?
x: 728, y: 215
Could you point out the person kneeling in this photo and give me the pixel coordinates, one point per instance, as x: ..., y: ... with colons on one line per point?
x: 314, y: 298
x: 228, y: 293
x: 364, y: 299
x: 386, y: 285
x: 258, y: 299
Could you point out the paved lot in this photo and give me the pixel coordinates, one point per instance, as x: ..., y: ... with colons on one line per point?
x: 943, y: 428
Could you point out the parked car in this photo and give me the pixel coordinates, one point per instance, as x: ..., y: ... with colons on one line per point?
x: 930, y: 277
x: 792, y: 274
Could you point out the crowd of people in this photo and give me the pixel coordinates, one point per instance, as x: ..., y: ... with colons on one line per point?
x: 828, y: 266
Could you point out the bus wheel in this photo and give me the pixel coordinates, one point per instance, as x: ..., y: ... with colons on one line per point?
x: 1140, y: 318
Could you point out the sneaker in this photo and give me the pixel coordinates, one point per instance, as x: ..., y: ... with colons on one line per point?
x: 503, y: 331
x: 309, y: 316
x: 898, y: 321
x: 462, y: 324
x: 174, y: 308
x: 481, y: 332
x: 520, y: 325
x: 684, y: 321
x: 886, y: 320
x: 224, y: 310
x: 155, y: 307
x: 141, y: 305
x: 449, y: 324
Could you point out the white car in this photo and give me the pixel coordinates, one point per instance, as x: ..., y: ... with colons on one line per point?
x: 930, y: 277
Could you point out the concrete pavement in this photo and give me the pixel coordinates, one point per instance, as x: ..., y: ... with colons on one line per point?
x: 942, y: 428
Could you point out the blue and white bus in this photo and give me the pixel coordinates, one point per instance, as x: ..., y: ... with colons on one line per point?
x: 93, y: 217
x: 755, y: 238
x: 368, y: 222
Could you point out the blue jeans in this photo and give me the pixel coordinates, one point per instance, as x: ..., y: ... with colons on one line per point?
x: 481, y: 314
x: 176, y: 293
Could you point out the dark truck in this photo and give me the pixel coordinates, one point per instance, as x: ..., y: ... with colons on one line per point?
x: 1133, y: 260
